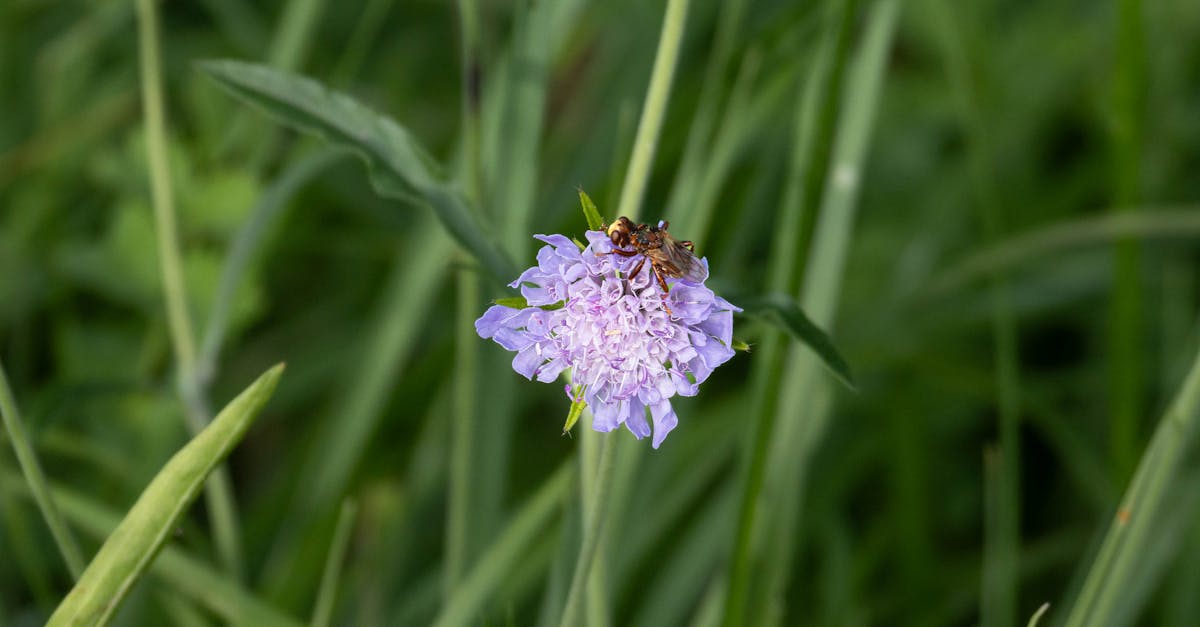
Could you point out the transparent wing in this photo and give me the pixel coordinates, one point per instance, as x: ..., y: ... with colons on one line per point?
x: 682, y: 263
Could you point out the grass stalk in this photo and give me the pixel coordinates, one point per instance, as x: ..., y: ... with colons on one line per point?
x: 459, y: 508
x: 36, y: 479
x: 653, y: 110
x: 1126, y: 359
x: 327, y: 593
x: 595, y: 515
x: 1004, y: 529
x: 218, y: 493
x: 1138, y: 517
x: 495, y: 565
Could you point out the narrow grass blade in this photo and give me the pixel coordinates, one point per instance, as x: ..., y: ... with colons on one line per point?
x: 399, y: 167
x: 394, y: 332
x: 145, y: 528
x: 27, y: 458
x: 246, y: 244
x: 1030, y: 248
x: 1037, y: 616
x: 509, y: 548
x: 327, y: 593
x: 187, y: 575
x: 222, y: 509
x: 653, y: 110
x: 1110, y: 583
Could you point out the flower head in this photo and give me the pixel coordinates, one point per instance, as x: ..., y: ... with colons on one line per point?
x: 625, y: 350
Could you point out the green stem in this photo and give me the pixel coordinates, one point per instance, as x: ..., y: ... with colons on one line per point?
x: 595, y: 513
x: 1125, y: 316
x: 218, y: 493
x: 37, y: 480
x: 327, y: 593
x: 461, y: 439
x: 653, y: 109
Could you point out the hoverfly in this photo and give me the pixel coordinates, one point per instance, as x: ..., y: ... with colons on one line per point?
x: 669, y: 257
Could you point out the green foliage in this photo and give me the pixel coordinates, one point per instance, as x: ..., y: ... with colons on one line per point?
x: 993, y: 213
x: 131, y: 547
x: 400, y: 168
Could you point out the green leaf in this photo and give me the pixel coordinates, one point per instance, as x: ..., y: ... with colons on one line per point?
x: 785, y: 313
x: 519, y: 302
x: 594, y: 221
x: 133, y: 545
x: 575, y: 412
x: 399, y: 167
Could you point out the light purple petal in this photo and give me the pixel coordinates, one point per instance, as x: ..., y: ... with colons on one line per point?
x: 527, y: 361
x: 664, y: 421
x: 636, y: 422
x: 493, y: 319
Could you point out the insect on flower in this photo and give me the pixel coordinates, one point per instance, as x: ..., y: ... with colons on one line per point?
x: 669, y: 257
x: 590, y: 311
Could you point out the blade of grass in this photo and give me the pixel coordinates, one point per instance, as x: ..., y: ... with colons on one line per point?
x: 461, y: 530
x: 188, y: 576
x: 594, y: 517
x: 131, y: 548
x: 416, y: 275
x: 1035, y: 246
x: 462, y: 517
x: 32, y: 470
x: 1125, y: 337
x: 218, y: 494
x: 1005, y: 532
x: 806, y: 401
x: 700, y: 133
x: 327, y: 593
x: 786, y: 251
x: 245, y: 245
x: 493, y: 566
x: 1110, y: 579
x: 653, y: 109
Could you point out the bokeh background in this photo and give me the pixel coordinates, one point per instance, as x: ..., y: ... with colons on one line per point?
x: 1017, y: 296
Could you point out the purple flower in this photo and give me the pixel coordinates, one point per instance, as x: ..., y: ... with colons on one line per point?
x: 625, y: 351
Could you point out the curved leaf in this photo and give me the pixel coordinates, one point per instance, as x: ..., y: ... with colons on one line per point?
x: 785, y: 313
x: 135, y: 542
x: 399, y: 167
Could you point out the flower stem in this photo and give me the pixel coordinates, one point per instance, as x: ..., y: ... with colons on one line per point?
x: 653, y: 110
x: 595, y: 512
x: 218, y: 494
x: 37, y: 480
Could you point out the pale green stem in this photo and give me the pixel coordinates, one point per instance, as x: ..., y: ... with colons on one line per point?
x: 327, y: 593
x: 653, y: 110
x: 592, y: 532
x: 461, y: 438
x: 462, y: 455
x: 218, y: 494
x: 36, y: 480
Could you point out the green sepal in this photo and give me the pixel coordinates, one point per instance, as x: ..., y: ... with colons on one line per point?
x: 590, y: 213
x: 519, y: 302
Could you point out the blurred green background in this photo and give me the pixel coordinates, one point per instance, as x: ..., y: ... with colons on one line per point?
x: 1018, y: 300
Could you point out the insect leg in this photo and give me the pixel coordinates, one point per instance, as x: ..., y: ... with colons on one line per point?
x: 662, y: 283
x: 687, y: 243
x: 618, y: 251
x: 637, y: 268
